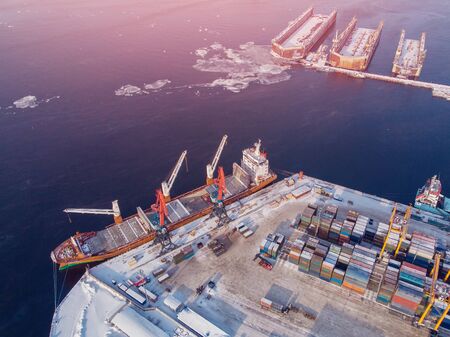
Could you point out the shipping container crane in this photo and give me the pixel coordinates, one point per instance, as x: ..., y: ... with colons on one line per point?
x: 404, y: 229
x: 434, y: 273
x: 211, y: 167
x: 391, y: 221
x: 217, y: 199
x: 166, y: 186
x: 115, y: 211
x: 158, y: 222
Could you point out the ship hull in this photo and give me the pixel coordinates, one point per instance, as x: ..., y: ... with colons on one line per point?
x: 148, y: 238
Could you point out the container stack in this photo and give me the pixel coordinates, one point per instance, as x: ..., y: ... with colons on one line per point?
x: 377, y: 275
x: 271, y: 245
x: 381, y: 233
x: 410, y: 287
x: 307, y: 254
x: 184, y: 254
x: 329, y: 263
x: 359, y: 269
x: 306, y: 217
x: 188, y: 252
x: 346, y: 231
x: 296, y: 250
x: 342, y: 264
x: 421, y: 251
x: 266, y: 303
x: 389, y: 283
x: 359, y: 229
x: 335, y: 231
x: 371, y: 231
x: 326, y: 218
x: 319, y: 255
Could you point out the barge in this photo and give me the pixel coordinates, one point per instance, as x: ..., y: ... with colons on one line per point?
x: 300, y: 36
x: 353, y: 49
x: 409, y: 57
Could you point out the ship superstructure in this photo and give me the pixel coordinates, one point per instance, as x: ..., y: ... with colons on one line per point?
x: 354, y: 47
x: 302, y: 34
x: 409, y: 57
x: 138, y: 229
x: 429, y: 198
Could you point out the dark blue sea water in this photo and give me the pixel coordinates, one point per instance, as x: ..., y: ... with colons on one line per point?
x: 90, y: 147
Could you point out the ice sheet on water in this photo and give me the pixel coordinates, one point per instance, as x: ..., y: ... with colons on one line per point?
x: 157, y: 84
x: 128, y: 90
x: 132, y: 90
x: 29, y: 101
x: 201, y: 52
x: 240, y: 67
x: 26, y: 102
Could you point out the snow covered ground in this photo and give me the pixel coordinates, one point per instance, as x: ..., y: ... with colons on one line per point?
x: 240, y: 282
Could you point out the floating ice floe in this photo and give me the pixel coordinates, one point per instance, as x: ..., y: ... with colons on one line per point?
x: 26, y: 102
x: 128, y: 90
x: 201, y: 52
x: 132, y: 90
x: 157, y: 84
x: 240, y: 67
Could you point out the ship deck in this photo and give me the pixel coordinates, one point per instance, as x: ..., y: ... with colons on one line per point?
x: 409, y: 57
x: 304, y: 33
x: 131, y: 230
x: 356, y: 42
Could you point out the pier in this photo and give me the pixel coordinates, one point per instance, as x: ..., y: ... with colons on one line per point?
x: 438, y: 90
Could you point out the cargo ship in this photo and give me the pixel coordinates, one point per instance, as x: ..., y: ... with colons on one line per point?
x: 251, y: 176
x: 409, y: 57
x: 354, y: 47
x: 300, y: 36
x: 430, y: 199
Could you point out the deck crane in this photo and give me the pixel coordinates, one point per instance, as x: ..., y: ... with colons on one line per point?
x: 166, y: 185
x: 391, y: 221
x: 211, y: 167
x: 434, y: 273
x: 217, y: 199
x: 404, y: 229
x: 115, y: 211
x: 158, y: 222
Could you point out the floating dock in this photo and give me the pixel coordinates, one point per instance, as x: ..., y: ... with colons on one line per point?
x: 326, y: 278
x: 409, y: 57
x: 302, y: 34
x: 354, y: 47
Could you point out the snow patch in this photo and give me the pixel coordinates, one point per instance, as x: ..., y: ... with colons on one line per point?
x: 240, y: 67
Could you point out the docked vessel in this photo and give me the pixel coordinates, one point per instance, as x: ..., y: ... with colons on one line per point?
x: 429, y: 198
x: 409, y: 57
x: 354, y: 47
x: 300, y: 36
x: 251, y: 176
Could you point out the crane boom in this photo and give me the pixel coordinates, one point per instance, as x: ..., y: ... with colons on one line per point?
x: 211, y: 167
x: 167, y: 185
x: 115, y: 211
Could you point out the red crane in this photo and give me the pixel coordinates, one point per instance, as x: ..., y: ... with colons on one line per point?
x: 221, y: 185
x: 160, y: 207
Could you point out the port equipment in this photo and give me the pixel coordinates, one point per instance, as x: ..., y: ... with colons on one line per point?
x: 391, y: 221
x: 166, y: 185
x: 217, y: 198
x: 434, y: 273
x: 158, y: 224
x: 441, y: 319
x: 211, y: 167
x: 115, y: 211
x: 404, y: 229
